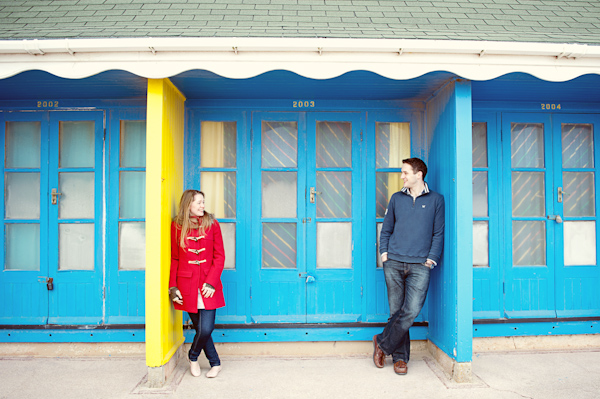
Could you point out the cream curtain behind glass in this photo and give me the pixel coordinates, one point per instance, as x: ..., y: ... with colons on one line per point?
x: 212, y: 149
x: 399, y: 150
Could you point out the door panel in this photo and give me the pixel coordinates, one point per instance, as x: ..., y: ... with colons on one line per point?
x: 306, y: 180
x: 75, y: 251
x: 577, y: 271
x: 278, y: 292
x: 527, y: 165
x: 23, y: 290
x: 334, y: 211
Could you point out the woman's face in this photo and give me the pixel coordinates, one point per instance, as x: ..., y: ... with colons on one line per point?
x: 197, y: 205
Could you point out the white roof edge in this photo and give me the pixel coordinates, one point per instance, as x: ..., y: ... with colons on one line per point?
x: 316, y: 58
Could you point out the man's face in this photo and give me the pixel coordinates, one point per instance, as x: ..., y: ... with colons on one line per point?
x: 409, y: 177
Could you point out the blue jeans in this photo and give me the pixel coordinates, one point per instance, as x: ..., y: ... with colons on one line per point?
x: 204, y: 324
x: 407, y: 285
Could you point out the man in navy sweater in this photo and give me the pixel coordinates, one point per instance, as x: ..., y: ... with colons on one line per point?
x: 411, y: 243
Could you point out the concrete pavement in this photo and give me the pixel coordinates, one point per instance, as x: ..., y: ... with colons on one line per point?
x: 550, y: 374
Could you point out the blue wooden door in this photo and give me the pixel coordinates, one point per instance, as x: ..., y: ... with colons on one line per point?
x: 52, y: 218
x: 577, y: 276
x: 550, y: 179
x: 75, y: 218
x: 529, y: 233
x: 23, y: 289
x: 306, y: 217
x: 279, y: 218
x: 334, y: 223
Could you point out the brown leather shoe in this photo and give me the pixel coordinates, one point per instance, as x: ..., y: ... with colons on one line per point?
x: 378, y: 355
x: 400, y: 367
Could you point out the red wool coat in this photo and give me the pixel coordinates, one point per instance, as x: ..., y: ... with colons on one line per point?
x: 202, y: 261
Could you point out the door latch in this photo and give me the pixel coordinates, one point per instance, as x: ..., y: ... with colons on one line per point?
x: 309, y: 278
x: 55, y: 195
x: 313, y: 191
x: 556, y: 218
x: 50, y: 283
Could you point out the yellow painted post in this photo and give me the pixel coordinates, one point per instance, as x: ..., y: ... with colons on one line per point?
x: 164, y: 185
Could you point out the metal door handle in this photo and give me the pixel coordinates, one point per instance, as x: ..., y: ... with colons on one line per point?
x: 55, y: 195
x: 560, y: 194
x: 556, y: 218
x: 313, y: 191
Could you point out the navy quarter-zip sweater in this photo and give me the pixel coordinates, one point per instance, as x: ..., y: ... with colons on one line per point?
x: 413, y: 230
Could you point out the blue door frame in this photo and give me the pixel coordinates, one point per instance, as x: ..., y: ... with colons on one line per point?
x: 554, y: 285
x: 75, y: 295
x: 304, y: 293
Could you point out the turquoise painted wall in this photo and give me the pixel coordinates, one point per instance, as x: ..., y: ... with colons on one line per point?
x: 448, y: 117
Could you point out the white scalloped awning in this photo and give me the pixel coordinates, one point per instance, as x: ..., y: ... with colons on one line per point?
x: 312, y: 58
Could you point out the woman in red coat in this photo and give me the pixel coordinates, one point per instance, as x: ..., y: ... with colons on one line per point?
x: 197, y: 260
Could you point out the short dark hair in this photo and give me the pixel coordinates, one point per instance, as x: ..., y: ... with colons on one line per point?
x: 417, y: 165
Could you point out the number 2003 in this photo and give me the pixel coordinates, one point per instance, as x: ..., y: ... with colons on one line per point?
x: 303, y: 104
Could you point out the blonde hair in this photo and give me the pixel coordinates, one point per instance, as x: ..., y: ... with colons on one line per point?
x: 185, y: 222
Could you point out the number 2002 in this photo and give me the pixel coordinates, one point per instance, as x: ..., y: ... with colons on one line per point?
x: 303, y: 104
x: 46, y: 104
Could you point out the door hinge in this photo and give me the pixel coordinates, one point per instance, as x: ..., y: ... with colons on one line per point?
x: 103, y: 293
x: 250, y: 292
x: 503, y: 288
x: 361, y: 135
x: 361, y: 291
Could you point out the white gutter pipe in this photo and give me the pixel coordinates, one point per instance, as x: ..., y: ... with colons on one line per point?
x: 311, y: 57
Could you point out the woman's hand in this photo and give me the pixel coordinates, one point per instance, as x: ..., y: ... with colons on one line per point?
x: 175, y: 295
x: 207, y: 290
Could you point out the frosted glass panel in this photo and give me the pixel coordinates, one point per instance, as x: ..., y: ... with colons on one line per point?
x: 77, y: 199
x: 480, y: 145
x: 132, y: 194
x: 480, y: 194
x: 132, y: 245
x: 77, y: 144
x: 335, y: 200
x: 386, y: 185
x: 228, y: 232
x: 76, y: 247
x: 529, y: 243
x: 393, y: 144
x: 334, y: 144
x: 279, y: 194
x: 577, y: 146
x: 22, y: 195
x: 279, y: 246
x: 528, y: 196
x: 379, y: 227
x: 580, y: 243
x: 579, y: 198
x: 527, y: 145
x: 22, y: 247
x: 22, y: 145
x: 218, y: 144
x: 279, y: 144
x: 334, y: 245
x: 133, y: 144
x: 219, y: 193
x: 481, y: 244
